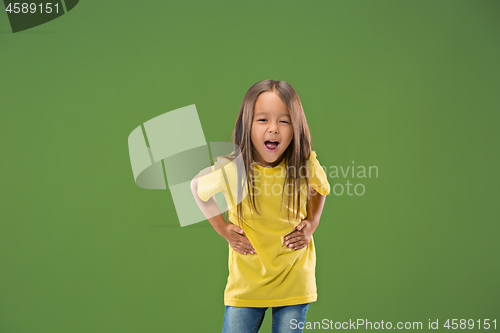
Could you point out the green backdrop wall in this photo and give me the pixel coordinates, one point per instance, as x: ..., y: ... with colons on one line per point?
x: 408, y: 86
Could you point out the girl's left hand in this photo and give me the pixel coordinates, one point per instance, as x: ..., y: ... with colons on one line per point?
x: 299, y: 238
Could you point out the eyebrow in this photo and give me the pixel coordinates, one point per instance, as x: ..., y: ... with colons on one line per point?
x: 265, y: 113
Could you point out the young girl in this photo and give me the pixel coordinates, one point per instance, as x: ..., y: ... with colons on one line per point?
x: 272, y: 213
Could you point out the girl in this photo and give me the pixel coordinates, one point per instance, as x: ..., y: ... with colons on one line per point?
x: 279, y: 203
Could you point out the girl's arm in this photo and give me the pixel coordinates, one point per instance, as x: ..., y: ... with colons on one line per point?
x: 302, y: 235
x: 232, y: 233
x: 313, y: 215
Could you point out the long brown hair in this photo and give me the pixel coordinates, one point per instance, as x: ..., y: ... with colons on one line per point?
x: 296, y: 155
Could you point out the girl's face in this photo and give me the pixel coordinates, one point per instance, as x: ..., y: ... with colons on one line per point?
x: 272, y: 129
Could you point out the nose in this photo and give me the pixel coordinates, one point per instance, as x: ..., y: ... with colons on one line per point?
x: 273, y: 128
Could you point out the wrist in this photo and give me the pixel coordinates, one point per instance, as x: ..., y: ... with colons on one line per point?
x: 313, y: 224
x: 222, y: 230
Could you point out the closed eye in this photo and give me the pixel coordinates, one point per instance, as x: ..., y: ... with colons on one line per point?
x: 284, y: 121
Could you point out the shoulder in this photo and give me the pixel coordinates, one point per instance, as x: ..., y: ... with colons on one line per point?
x: 228, y: 168
x: 314, y: 167
x: 224, y: 162
x: 312, y: 159
x: 313, y: 155
x: 317, y: 175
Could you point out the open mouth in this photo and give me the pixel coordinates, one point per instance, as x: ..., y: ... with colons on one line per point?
x: 271, y: 145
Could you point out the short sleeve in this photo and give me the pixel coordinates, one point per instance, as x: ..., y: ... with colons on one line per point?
x: 317, y: 176
x: 209, y: 182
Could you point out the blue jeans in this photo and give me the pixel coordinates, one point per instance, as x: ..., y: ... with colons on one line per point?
x: 249, y: 320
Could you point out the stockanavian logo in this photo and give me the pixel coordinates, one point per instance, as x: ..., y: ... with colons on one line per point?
x: 26, y: 15
x: 169, y: 150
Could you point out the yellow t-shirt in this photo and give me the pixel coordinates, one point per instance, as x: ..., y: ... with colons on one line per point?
x: 276, y: 275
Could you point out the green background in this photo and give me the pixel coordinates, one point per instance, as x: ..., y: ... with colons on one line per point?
x: 408, y: 86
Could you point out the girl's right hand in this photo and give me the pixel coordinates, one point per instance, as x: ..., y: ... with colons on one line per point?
x: 234, y: 236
